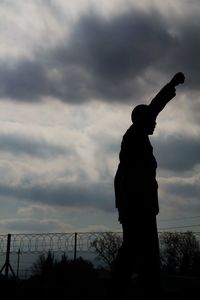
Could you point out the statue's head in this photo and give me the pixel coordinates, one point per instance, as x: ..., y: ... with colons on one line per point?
x: 143, y: 119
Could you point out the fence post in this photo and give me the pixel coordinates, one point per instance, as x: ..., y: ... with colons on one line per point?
x: 7, y: 264
x: 75, y: 245
x: 18, y: 258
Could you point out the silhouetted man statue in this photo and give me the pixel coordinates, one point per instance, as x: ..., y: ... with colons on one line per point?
x: 137, y: 200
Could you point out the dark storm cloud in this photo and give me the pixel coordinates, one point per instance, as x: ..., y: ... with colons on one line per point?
x: 184, y: 189
x: 183, y: 194
x: 25, y: 145
x: 117, y: 52
x: 23, y: 80
x: 177, y: 153
x: 97, y: 195
x: 101, y: 59
x: 185, y: 56
x: 31, y: 225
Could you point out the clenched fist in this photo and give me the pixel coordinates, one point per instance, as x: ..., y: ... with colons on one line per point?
x: 177, y: 79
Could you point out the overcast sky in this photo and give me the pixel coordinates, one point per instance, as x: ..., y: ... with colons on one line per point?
x: 70, y: 74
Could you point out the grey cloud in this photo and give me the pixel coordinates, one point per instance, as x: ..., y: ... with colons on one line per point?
x: 27, y: 145
x: 33, y: 225
x: 177, y: 153
x: 101, y: 59
x: 116, y: 52
x: 186, y: 190
x: 23, y: 80
x: 185, y: 55
x: 182, y: 195
x: 97, y: 195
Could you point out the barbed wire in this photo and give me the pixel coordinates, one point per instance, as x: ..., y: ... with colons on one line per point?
x: 55, y: 242
x: 71, y: 244
x: 37, y: 243
x: 44, y: 242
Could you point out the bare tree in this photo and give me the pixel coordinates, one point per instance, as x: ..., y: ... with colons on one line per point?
x: 107, y: 246
x: 180, y: 252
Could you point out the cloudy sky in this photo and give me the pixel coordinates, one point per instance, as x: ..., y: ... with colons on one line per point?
x: 70, y: 74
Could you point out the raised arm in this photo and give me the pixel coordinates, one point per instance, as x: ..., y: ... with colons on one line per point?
x: 167, y: 93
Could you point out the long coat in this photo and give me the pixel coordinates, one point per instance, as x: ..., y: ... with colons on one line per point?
x: 136, y: 188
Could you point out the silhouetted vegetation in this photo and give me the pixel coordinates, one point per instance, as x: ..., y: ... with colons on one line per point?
x: 180, y: 253
x: 44, y: 264
x: 74, y: 277
x: 47, y: 267
x: 80, y: 279
x: 106, y: 247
